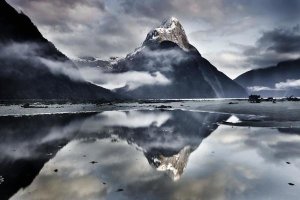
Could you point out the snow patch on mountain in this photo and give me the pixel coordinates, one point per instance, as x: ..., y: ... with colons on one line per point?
x: 135, y: 52
x: 170, y: 30
x: 175, y: 164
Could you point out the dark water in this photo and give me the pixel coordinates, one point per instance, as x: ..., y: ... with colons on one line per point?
x: 146, y: 155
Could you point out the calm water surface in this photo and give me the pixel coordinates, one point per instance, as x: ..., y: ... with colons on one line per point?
x: 146, y: 155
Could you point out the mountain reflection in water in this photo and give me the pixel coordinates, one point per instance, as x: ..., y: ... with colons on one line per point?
x: 139, y: 155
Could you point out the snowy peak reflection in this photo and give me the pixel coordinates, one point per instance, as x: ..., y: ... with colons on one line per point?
x: 167, y: 138
x: 175, y: 164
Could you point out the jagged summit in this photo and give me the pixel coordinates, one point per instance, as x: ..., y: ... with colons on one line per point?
x: 170, y: 30
x: 169, y: 22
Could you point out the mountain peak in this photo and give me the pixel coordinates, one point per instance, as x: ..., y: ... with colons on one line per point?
x: 169, y: 22
x: 169, y: 30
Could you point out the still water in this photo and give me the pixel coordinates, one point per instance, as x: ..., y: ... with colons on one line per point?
x: 146, y: 155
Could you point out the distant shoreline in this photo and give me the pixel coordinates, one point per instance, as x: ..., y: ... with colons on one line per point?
x: 102, y: 101
x: 282, y: 111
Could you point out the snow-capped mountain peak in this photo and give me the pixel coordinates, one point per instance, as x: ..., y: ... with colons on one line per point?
x: 170, y: 30
x: 170, y: 23
x: 175, y: 164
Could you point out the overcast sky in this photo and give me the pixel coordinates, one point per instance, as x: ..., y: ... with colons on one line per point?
x: 234, y: 35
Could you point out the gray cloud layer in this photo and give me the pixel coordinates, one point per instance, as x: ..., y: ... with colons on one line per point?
x: 274, y: 46
x: 104, y: 28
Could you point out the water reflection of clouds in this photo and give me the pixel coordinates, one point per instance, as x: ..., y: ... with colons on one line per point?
x: 126, y: 168
x: 250, y: 159
x: 24, y: 147
x: 271, y: 144
x: 123, y: 167
x: 118, y: 164
x: 232, y: 163
x: 134, y: 119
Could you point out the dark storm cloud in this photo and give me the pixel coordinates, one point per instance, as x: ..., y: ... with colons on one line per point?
x: 151, y: 9
x: 63, y: 3
x: 274, y: 46
x: 282, y: 40
x: 60, y: 15
x: 105, y: 28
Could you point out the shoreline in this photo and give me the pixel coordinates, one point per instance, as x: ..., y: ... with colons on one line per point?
x: 280, y: 111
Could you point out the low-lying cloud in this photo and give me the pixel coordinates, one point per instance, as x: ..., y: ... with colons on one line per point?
x: 287, y: 85
x: 130, y: 79
x: 143, y: 67
x: 65, y: 68
x: 32, y: 54
x: 259, y: 88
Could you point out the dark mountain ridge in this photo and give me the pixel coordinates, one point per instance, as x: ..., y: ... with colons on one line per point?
x: 270, y: 76
x: 24, y: 72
